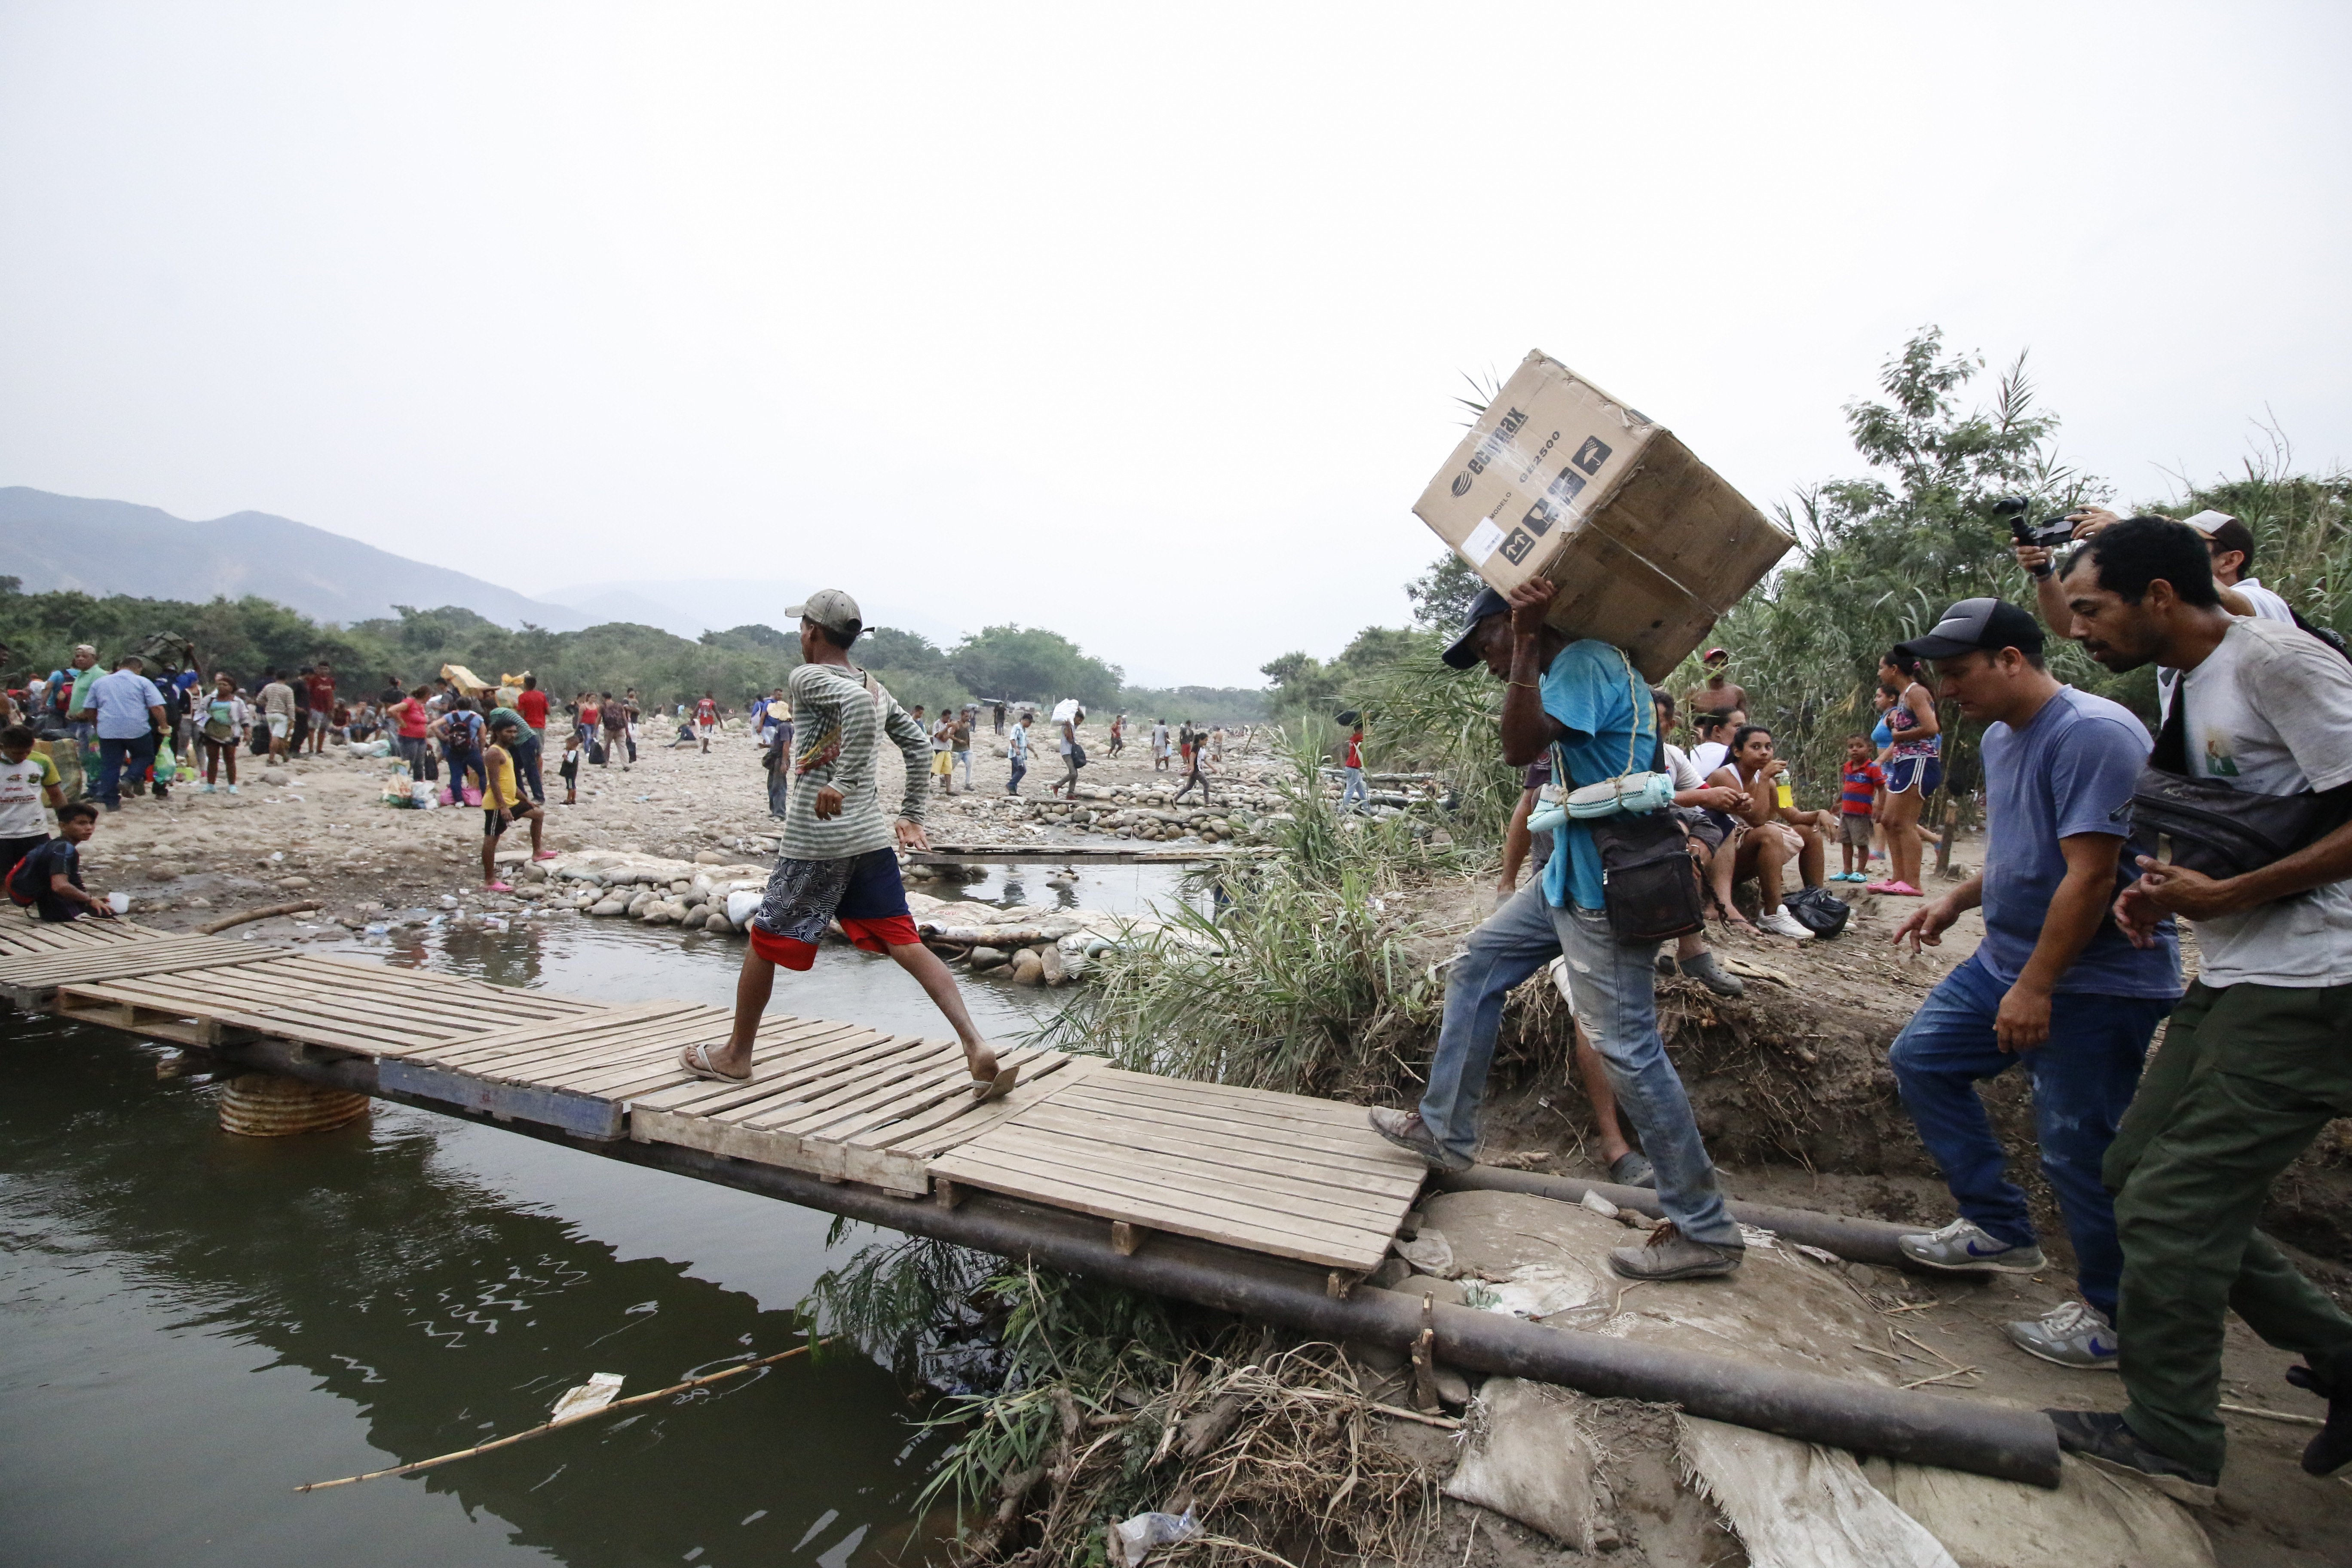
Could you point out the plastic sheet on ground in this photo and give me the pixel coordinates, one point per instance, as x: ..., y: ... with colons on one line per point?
x: 1530, y: 1459
x: 1800, y: 1505
x: 2093, y: 1519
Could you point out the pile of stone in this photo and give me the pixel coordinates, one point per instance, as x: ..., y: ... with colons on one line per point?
x: 693, y: 895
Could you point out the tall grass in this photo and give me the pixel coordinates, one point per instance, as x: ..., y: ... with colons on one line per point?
x: 1303, y: 981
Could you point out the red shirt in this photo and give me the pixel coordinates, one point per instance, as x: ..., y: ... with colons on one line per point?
x: 706, y: 712
x: 412, y: 719
x: 1860, y: 787
x: 532, y: 705
x: 322, y: 693
x: 1355, y: 751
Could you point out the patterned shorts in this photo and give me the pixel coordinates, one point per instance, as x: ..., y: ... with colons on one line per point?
x: 864, y: 892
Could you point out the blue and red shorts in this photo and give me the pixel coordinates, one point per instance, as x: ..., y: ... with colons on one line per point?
x: 864, y: 892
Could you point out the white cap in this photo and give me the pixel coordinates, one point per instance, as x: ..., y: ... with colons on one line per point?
x: 2208, y: 520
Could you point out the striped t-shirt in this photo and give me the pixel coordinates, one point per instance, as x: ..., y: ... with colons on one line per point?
x: 1861, y: 787
x: 838, y: 730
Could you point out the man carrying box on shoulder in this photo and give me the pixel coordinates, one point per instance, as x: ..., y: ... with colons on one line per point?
x: 1580, y: 700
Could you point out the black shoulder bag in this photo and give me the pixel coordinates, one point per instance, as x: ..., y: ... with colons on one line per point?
x: 1649, y: 884
x: 2208, y: 827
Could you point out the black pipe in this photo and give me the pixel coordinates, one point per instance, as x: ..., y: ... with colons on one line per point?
x: 2015, y: 1444
x: 1860, y: 1241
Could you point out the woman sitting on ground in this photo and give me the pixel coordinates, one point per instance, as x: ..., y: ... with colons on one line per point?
x: 1765, y: 843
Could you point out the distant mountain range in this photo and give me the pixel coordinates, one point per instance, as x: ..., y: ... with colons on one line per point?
x: 54, y: 542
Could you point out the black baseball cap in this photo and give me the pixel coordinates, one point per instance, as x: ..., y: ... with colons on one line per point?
x: 1974, y: 624
x: 1464, y: 653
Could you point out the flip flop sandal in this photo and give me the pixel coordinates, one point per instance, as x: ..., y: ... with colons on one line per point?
x: 696, y: 1059
x: 984, y: 1089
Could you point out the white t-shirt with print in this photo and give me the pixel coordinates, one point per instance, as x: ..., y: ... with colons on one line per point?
x: 21, y: 808
x: 2271, y: 710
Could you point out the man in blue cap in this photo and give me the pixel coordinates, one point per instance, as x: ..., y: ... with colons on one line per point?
x: 1581, y: 701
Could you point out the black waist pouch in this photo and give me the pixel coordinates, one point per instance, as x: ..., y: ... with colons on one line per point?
x: 1649, y: 883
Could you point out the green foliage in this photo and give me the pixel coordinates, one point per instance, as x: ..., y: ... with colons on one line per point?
x: 1883, y: 555
x: 1031, y: 665
x: 2302, y: 540
x: 1442, y: 594
x: 1306, y: 686
x: 1421, y: 716
x: 1203, y: 704
x: 1305, y: 981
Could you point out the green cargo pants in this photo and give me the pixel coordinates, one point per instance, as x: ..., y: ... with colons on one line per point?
x: 2246, y: 1078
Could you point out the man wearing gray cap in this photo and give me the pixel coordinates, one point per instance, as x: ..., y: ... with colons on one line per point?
x: 2055, y: 984
x: 837, y: 859
x: 1581, y: 700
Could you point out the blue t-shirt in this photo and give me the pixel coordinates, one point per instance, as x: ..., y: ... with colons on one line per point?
x: 2067, y: 771
x: 1612, y: 728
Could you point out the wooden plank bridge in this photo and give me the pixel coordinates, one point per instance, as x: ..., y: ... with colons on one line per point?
x: 1278, y: 1174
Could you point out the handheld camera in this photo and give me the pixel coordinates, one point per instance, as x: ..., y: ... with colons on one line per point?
x: 2049, y: 532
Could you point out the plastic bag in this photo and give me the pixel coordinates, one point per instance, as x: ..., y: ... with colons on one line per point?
x: 1131, y: 1541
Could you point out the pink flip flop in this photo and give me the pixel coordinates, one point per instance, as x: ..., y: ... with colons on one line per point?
x: 497, y: 887
x: 547, y: 855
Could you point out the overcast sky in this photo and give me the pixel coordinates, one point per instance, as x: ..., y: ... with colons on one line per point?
x: 1142, y: 326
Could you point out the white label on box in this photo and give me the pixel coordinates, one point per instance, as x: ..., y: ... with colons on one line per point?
x: 1484, y: 541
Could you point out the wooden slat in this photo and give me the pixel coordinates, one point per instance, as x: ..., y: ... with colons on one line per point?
x: 1247, y: 1157
x: 1310, y: 1207
x: 1258, y: 1102
x: 1148, y: 1203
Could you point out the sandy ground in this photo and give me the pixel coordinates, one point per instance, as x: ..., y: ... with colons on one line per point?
x: 317, y: 829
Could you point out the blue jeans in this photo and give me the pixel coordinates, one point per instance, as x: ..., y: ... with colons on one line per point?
x: 1353, y: 789
x: 1616, y: 1001
x: 525, y: 750
x: 2083, y: 1077
x: 1012, y: 785
x: 112, y: 757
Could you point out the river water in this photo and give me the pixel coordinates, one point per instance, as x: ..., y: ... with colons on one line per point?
x: 192, y: 1324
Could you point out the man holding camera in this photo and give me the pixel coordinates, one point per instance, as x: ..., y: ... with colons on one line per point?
x: 1582, y: 700
x: 2228, y: 542
x: 2258, y: 1056
x: 2054, y: 985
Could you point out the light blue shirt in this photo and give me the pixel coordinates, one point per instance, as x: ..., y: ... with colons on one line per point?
x: 1016, y: 744
x: 121, y: 701
x: 1592, y: 691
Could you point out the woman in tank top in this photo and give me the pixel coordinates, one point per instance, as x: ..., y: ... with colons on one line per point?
x: 1914, y: 768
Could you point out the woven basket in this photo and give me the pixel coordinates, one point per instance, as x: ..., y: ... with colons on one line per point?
x: 265, y: 1105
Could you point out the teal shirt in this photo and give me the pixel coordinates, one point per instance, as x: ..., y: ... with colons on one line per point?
x: 1592, y: 691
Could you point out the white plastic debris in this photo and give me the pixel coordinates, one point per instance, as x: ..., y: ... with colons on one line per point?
x: 1131, y: 1541
x: 1429, y: 1252
x: 601, y: 1389
x: 1599, y: 1205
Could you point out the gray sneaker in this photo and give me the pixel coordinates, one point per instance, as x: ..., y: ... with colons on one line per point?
x: 1962, y: 1248
x: 1406, y: 1130
x: 2070, y: 1335
x: 1671, y: 1254
x: 1711, y: 974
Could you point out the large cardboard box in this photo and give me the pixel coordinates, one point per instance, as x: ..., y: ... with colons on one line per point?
x: 1559, y: 479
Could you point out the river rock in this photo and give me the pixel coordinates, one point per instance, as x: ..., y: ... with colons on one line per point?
x: 607, y: 907
x: 1050, y: 965
x: 641, y: 903
x: 987, y: 957
x: 1028, y: 969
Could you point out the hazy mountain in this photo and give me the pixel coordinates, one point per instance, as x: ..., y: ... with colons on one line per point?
x: 115, y: 547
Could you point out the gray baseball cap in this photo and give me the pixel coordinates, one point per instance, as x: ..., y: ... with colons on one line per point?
x: 832, y: 609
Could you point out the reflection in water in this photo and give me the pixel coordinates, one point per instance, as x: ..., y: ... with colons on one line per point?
x: 194, y: 1320
x: 195, y: 1323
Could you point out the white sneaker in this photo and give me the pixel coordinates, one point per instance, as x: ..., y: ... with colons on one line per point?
x: 1781, y: 922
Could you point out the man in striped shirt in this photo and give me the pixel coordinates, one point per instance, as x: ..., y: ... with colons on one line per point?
x: 838, y: 856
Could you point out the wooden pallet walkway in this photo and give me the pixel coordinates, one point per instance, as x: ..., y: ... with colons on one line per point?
x: 1270, y: 1173
x: 26, y: 934
x: 1279, y: 1173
